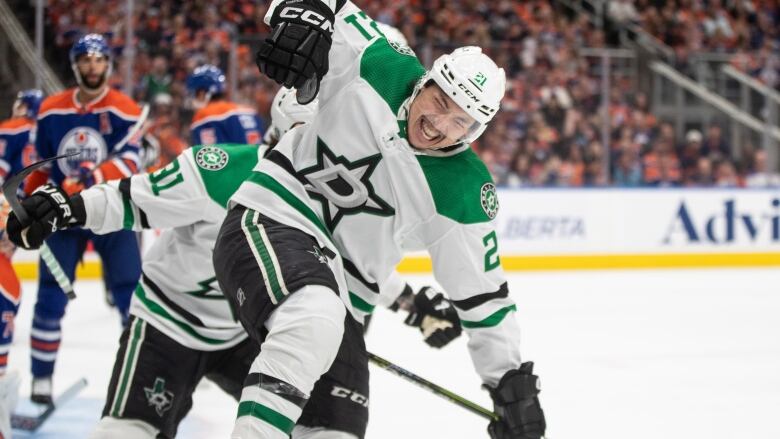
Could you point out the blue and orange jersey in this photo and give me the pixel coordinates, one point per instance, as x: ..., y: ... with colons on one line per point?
x: 99, y: 130
x: 226, y: 122
x: 16, y: 147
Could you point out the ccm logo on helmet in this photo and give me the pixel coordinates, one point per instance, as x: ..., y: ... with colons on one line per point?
x: 307, y: 16
x: 468, y: 92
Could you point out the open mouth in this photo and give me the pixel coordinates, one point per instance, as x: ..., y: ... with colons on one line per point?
x: 428, y: 131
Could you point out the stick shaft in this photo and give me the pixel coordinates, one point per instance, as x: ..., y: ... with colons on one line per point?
x: 56, y: 270
x: 432, y: 387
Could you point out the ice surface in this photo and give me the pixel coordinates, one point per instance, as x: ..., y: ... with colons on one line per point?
x: 621, y: 354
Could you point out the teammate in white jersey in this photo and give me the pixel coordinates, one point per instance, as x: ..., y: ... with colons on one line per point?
x: 385, y: 167
x: 181, y: 327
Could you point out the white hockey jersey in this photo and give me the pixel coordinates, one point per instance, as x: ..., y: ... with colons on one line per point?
x: 178, y: 292
x: 351, y: 179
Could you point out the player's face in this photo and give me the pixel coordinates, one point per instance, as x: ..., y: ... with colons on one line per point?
x: 92, y: 68
x: 19, y: 109
x: 436, y: 121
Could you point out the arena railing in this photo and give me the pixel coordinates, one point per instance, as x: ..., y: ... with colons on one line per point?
x: 22, y: 44
x: 690, y: 104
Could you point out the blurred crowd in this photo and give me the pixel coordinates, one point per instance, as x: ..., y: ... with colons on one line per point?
x: 550, y: 131
x: 749, y: 30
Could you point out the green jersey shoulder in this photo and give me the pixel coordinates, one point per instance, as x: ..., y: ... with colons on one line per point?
x: 224, y: 167
x: 461, y: 186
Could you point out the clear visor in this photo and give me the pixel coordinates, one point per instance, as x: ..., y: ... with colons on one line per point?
x: 455, y: 127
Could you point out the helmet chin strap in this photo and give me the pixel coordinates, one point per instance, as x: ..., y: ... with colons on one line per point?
x: 83, y: 85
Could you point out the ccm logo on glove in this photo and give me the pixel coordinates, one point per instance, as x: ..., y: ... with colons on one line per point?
x: 307, y: 16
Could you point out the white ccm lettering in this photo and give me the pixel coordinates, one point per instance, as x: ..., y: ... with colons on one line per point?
x: 310, y: 17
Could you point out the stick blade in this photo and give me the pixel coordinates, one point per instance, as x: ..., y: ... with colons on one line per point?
x: 12, y: 184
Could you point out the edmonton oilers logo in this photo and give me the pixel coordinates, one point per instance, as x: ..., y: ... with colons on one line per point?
x: 83, y: 140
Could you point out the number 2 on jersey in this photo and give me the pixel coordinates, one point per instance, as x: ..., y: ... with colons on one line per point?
x: 491, y: 255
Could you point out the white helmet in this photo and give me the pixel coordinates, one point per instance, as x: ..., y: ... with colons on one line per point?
x: 473, y: 81
x: 286, y: 112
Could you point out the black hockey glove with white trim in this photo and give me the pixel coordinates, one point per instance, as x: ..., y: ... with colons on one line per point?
x: 434, y: 314
x: 296, y: 52
x: 49, y: 209
x: 516, y: 402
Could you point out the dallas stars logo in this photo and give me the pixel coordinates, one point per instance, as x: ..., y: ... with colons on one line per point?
x: 211, y: 158
x: 489, y: 200
x: 158, y: 397
x: 344, y: 187
x: 209, y: 289
x: 321, y: 258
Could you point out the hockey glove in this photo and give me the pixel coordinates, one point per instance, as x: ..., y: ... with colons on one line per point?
x: 516, y: 402
x: 296, y: 52
x: 435, y: 316
x: 49, y: 209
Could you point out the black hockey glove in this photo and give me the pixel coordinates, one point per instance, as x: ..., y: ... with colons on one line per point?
x: 296, y: 52
x: 49, y: 209
x: 516, y: 401
x: 434, y: 314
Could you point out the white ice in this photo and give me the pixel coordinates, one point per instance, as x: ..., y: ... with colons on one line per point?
x: 621, y: 354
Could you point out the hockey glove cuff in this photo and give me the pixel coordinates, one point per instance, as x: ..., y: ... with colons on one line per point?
x: 517, y: 404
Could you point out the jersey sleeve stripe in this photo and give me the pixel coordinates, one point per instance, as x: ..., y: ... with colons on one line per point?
x: 283, y: 162
x: 266, y: 414
x: 481, y: 299
x: 191, y: 318
x: 360, y: 304
x: 129, y: 218
x: 270, y: 384
x: 354, y: 272
x: 158, y: 310
x: 491, y: 321
x: 124, y: 187
x: 268, y: 182
x: 15, y: 131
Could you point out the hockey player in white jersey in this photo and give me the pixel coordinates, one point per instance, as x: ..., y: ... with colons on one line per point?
x: 384, y: 167
x: 182, y: 328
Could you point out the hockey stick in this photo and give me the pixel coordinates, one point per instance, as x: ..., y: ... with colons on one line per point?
x: 434, y: 388
x: 32, y: 423
x: 10, y: 188
x: 135, y: 128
